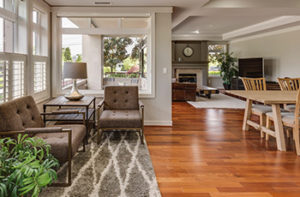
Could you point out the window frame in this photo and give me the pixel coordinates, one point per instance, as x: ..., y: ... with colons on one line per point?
x: 58, y: 31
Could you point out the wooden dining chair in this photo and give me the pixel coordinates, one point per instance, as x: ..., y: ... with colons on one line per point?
x: 289, y: 84
x: 257, y: 84
x: 290, y: 120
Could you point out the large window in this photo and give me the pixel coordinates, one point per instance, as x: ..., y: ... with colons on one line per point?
x: 71, y: 52
x: 39, y: 34
x: 125, y: 61
x: 39, y: 51
x: 23, y: 72
x: 117, y: 51
x: 213, y: 51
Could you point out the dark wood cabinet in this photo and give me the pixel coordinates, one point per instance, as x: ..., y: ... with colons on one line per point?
x: 184, y: 91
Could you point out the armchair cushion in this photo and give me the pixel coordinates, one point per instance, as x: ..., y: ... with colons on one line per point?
x: 120, y: 119
x: 59, y: 141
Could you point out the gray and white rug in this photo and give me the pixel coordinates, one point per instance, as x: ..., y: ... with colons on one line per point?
x: 119, y: 167
x: 218, y: 101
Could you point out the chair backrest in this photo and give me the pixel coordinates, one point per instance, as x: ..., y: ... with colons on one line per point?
x: 19, y: 114
x: 258, y: 84
x: 297, y: 111
x: 289, y: 84
x: 121, y: 98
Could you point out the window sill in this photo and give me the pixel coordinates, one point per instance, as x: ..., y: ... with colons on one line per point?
x: 100, y: 93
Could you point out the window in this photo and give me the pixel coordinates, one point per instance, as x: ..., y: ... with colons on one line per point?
x: 117, y: 51
x: 71, y: 52
x: 8, y: 5
x: 40, y: 53
x: 40, y: 77
x: 17, y: 77
x: 3, y: 80
x: 213, y: 51
x: 125, y: 61
x: 6, y: 36
x: 12, y: 84
x: 13, y: 27
x: 39, y: 33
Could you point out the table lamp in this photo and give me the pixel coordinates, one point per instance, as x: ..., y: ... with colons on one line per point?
x: 75, y: 70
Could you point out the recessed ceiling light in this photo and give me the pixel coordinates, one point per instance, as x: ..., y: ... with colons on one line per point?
x: 102, y: 3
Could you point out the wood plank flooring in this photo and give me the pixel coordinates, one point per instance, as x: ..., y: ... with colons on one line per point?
x: 206, y: 153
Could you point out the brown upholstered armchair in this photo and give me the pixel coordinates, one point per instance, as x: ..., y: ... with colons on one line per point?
x: 121, y: 109
x: 22, y: 116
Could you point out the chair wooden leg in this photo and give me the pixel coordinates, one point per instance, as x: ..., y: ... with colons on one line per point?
x: 288, y: 132
x: 268, y: 126
x: 98, y: 136
x: 83, y: 147
x: 297, y: 140
x: 262, y: 122
x: 142, y: 135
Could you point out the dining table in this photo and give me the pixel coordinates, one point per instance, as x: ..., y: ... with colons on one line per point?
x: 267, y: 97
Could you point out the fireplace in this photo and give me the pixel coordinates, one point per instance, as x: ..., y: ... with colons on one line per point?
x: 187, y: 77
x: 191, y: 75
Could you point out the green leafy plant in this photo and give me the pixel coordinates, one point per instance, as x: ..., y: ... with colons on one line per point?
x: 26, y: 166
x: 228, y: 67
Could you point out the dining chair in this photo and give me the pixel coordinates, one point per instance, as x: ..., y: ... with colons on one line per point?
x: 290, y: 120
x: 289, y: 84
x: 257, y: 84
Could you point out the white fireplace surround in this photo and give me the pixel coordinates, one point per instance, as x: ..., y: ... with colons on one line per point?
x: 197, y: 71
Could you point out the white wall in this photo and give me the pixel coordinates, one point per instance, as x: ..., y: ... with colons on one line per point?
x: 281, y: 51
x: 158, y: 110
x: 91, y: 54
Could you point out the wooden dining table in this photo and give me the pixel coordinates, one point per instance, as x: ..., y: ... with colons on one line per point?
x: 268, y: 97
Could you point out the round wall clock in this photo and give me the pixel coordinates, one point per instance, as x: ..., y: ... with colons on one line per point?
x: 188, y: 51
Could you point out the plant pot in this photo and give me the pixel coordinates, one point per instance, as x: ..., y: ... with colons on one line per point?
x: 227, y: 86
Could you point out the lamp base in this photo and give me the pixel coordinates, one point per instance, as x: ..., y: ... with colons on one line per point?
x: 74, y: 94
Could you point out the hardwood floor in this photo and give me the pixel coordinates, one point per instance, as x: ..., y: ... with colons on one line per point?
x: 206, y: 153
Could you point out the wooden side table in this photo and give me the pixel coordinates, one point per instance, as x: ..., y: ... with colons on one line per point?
x: 87, y: 104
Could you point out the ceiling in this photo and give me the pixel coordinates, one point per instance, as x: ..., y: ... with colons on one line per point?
x: 215, y: 19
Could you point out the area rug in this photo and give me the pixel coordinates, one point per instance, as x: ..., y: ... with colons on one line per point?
x: 119, y: 167
x: 218, y: 101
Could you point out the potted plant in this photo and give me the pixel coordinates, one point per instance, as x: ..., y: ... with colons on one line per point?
x: 26, y: 166
x: 228, y: 68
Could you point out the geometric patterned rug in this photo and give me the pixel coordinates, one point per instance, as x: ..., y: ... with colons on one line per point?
x: 120, y: 166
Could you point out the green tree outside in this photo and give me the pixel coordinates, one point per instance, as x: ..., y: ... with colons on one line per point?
x: 115, y: 51
x: 67, y: 55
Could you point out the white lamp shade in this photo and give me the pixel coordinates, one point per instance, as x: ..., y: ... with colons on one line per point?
x: 75, y: 70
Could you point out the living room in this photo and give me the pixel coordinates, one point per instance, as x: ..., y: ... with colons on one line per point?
x: 130, y: 98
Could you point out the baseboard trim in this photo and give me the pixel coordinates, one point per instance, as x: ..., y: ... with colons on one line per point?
x: 157, y: 123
